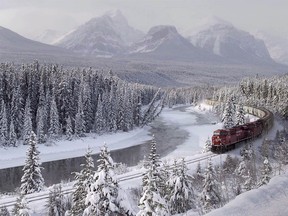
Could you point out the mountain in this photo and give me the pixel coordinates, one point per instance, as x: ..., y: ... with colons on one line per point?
x: 223, y: 39
x: 277, y: 46
x: 107, y: 35
x: 49, y: 36
x: 164, y: 42
x: 11, y: 42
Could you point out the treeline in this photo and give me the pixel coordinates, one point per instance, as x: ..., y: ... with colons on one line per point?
x: 271, y: 93
x: 54, y: 102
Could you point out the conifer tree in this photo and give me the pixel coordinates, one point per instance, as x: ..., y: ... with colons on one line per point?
x: 55, y: 203
x: 99, y: 124
x: 210, y: 197
x: 69, y: 129
x: 104, y: 196
x: 208, y: 145
x: 54, y: 125
x: 41, y: 137
x: 83, y: 181
x: 4, y: 211
x: 266, y: 172
x: 240, y: 115
x: 12, y: 135
x: 79, y: 119
x: 27, y: 123
x: 152, y: 202
x: 181, y: 199
x: 4, y: 134
x: 228, y: 115
x: 32, y: 180
x: 21, y: 208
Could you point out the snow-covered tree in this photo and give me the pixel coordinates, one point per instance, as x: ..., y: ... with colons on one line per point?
x: 181, y: 199
x: 4, y: 211
x: 54, y: 126
x: 104, y: 196
x: 69, y: 129
x: 4, y: 134
x: 228, y: 115
x: 27, y: 122
x: 208, y: 145
x: 55, y: 202
x: 21, y: 207
x: 240, y: 115
x: 41, y: 136
x: 84, y: 179
x: 211, y: 195
x: 152, y: 202
x: 12, y: 135
x: 32, y: 180
x: 266, y: 172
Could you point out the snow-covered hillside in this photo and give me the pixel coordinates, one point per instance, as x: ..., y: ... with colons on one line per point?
x: 11, y: 42
x: 277, y: 46
x: 223, y: 39
x: 165, y: 42
x: 49, y: 36
x: 106, y: 36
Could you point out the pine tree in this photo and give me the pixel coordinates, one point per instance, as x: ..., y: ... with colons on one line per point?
x: 181, y: 199
x: 152, y: 202
x: 41, y: 137
x: 83, y: 181
x: 54, y: 125
x: 99, y: 124
x: 103, y: 195
x: 27, y: 123
x: 208, y: 145
x: 32, y: 180
x: 12, y: 135
x: 228, y: 115
x: 55, y: 203
x: 4, y: 134
x: 4, y: 211
x: 21, y: 208
x: 266, y: 172
x: 69, y: 129
x: 240, y: 115
x: 79, y: 119
x: 210, y: 197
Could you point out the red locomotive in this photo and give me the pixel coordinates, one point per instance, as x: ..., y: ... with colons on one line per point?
x: 225, y: 139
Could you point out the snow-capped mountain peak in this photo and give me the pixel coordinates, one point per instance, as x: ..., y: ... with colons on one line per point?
x: 223, y: 39
x: 107, y: 35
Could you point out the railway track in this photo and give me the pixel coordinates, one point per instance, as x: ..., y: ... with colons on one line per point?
x: 10, y: 202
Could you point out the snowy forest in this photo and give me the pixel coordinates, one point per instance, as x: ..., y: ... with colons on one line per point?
x: 55, y: 102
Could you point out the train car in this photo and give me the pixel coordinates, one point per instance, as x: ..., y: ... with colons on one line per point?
x: 225, y: 139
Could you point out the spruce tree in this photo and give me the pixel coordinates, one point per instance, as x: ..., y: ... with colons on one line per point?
x: 228, y: 115
x: 69, y: 129
x: 4, y: 211
x: 208, y: 145
x: 152, y: 202
x: 27, y: 123
x: 181, y: 199
x: 4, y: 134
x: 210, y: 196
x: 240, y: 115
x: 21, y: 208
x: 104, y: 197
x: 12, y: 135
x: 55, y: 202
x: 54, y: 125
x: 266, y: 172
x: 32, y: 180
x: 84, y: 179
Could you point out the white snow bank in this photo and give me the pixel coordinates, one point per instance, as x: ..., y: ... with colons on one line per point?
x: 270, y: 199
x: 12, y: 157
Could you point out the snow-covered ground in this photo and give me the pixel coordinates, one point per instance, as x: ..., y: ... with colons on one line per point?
x: 200, y: 123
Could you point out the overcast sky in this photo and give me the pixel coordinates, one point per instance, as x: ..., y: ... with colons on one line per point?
x: 31, y: 17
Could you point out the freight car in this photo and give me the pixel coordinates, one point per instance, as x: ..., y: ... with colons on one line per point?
x: 225, y: 139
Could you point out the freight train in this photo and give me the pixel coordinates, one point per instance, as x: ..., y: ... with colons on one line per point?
x: 226, y: 139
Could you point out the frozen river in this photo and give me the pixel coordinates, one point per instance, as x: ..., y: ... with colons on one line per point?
x: 178, y: 132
